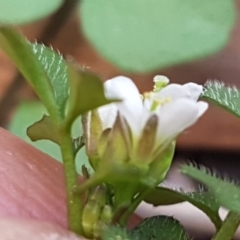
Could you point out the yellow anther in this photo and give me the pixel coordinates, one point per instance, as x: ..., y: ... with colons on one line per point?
x: 147, y: 95
x: 160, y: 102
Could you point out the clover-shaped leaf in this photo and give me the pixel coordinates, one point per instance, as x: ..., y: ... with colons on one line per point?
x: 19, y: 12
x: 146, y: 35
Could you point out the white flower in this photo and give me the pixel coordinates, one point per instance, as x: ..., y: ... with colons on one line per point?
x: 143, y: 126
x: 175, y: 106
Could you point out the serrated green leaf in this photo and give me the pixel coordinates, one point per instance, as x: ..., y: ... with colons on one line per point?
x: 19, y: 11
x: 202, y: 200
x: 87, y: 93
x: 225, y: 96
x: 159, y: 227
x: 56, y: 70
x: 44, y: 129
x: 226, y: 194
x: 146, y: 35
x: 20, y: 52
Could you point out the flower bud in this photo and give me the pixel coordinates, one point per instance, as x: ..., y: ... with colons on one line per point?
x: 92, y: 127
x: 90, y: 216
x: 92, y: 210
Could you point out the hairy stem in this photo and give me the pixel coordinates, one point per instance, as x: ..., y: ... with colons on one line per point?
x: 229, y: 227
x: 74, y: 202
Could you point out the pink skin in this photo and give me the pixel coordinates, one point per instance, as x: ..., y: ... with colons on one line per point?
x: 32, y: 195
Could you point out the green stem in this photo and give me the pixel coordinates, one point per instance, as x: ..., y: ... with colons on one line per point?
x: 229, y: 227
x: 93, y: 181
x: 124, y: 218
x: 74, y: 202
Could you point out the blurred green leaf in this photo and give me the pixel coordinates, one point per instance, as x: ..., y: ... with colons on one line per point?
x: 22, y: 11
x: 30, y: 112
x: 44, y: 129
x: 225, y: 96
x: 42, y: 68
x: 159, y: 227
x: 204, y: 201
x: 87, y: 93
x: 227, y: 194
x: 146, y: 35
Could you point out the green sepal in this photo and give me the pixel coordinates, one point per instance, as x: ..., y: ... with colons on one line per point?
x: 92, y: 127
x: 116, y: 150
x: 147, y: 140
x: 101, y: 146
x: 159, y: 167
x: 103, y: 140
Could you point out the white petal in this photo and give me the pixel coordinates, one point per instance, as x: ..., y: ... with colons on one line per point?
x: 108, y: 114
x: 131, y: 106
x: 202, y: 108
x: 194, y: 89
x: 173, y: 91
x: 121, y: 87
x: 176, y: 117
x: 147, y: 103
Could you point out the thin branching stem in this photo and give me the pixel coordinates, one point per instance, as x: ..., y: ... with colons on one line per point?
x: 126, y: 215
x: 229, y: 227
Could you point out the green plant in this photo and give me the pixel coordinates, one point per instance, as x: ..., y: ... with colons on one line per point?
x: 130, y: 138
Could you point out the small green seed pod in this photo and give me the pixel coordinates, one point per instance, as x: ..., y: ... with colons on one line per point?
x: 90, y: 216
x: 107, y: 214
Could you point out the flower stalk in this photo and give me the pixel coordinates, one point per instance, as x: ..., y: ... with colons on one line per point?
x: 74, y: 203
x: 135, y: 203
